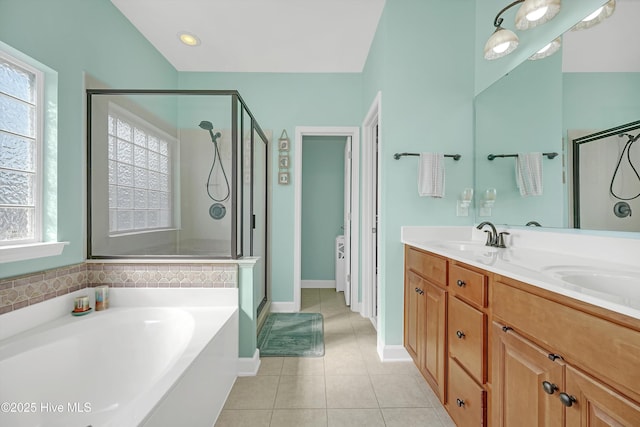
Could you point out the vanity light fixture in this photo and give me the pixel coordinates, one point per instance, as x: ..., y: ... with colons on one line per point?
x: 188, y: 39
x: 536, y: 12
x: 598, y: 15
x: 531, y: 14
x: 548, y: 50
x: 501, y: 43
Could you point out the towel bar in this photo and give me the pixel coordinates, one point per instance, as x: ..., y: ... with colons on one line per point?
x: 493, y: 156
x: 397, y: 156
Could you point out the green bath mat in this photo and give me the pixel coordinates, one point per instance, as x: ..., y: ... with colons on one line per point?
x: 292, y: 334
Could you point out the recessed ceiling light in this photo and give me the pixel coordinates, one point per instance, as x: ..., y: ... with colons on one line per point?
x: 188, y: 38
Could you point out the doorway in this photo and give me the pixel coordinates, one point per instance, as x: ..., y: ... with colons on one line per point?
x: 371, y: 143
x: 351, y: 271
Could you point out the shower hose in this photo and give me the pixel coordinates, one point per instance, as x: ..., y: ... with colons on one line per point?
x: 627, y: 149
x: 217, y: 158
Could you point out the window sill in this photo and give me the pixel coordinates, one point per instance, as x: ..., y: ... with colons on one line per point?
x: 30, y: 251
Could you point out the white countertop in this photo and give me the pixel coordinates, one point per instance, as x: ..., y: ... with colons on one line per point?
x: 606, y: 267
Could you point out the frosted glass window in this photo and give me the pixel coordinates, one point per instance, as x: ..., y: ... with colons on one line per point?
x: 139, y: 173
x: 20, y: 175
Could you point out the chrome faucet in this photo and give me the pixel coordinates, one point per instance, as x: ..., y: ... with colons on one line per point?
x: 492, y: 236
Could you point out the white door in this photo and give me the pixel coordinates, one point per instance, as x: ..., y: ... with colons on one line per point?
x: 347, y: 221
x: 376, y: 214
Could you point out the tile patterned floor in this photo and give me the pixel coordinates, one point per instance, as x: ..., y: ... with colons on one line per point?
x: 349, y: 386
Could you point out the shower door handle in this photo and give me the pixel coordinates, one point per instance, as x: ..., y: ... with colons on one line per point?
x: 253, y: 221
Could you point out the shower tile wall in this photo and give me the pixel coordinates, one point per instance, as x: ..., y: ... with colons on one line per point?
x: 22, y: 291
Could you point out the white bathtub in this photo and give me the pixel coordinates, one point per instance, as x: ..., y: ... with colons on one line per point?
x: 127, y: 366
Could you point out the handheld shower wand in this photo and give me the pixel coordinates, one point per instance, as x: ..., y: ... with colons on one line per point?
x: 207, y: 125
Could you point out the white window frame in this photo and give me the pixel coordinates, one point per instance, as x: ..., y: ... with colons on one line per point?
x: 135, y: 120
x: 38, y: 180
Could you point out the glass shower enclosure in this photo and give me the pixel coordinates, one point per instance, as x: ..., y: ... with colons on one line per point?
x: 178, y: 174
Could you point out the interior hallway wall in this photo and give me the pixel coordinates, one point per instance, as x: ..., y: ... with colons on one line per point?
x: 427, y: 90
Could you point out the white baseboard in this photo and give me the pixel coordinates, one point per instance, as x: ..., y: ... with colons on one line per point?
x: 248, y: 366
x: 283, y: 307
x: 393, y: 353
x: 315, y: 284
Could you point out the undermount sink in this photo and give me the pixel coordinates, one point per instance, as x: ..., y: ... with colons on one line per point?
x: 602, y: 282
x: 466, y: 246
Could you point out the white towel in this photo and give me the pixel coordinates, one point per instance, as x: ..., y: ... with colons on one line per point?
x: 431, y: 175
x: 529, y: 174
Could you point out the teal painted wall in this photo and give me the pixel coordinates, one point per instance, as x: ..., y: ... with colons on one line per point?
x: 322, y: 204
x: 283, y: 101
x: 427, y: 105
x: 74, y: 37
x: 487, y: 72
x: 520, y: 113
x: 600, y: 100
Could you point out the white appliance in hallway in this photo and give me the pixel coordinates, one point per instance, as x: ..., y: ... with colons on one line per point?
x: 340, y: 264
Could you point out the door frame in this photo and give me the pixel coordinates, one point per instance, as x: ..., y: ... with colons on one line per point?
x: 370, y: 287
x: 301, y: 132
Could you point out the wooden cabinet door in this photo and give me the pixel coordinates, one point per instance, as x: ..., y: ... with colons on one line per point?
x: 414, y: 315
x: 467, y: 338
x: 596, y: 405
x: 435, y: 355
x: 519, y: 370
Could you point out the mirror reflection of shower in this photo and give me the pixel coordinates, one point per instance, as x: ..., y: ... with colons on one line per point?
x: 217, y: 159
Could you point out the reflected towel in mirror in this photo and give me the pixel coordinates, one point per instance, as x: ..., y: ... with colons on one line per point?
x: 431, y: 175
x: 529, y: 174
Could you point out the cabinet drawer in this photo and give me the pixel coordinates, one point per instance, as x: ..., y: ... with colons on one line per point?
x: 604, y: 349
x: 467, y: 400
x: 429, y: 266
x: 468, y: 284
x: 467, y: 337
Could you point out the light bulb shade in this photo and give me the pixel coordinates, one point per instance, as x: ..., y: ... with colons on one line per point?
x: 548, y: 50
x: 596, y: 18
x: 501, y: 43
x: 536, y: 12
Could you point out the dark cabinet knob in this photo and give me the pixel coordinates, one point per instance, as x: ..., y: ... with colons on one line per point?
x: 460, y: 334
x: 460, y: 283
x: 506, y: 329
x: 548, y: 387
x: 567, y: 400
x: 460, y: 403
x: 553, y: 356
x: 417, y: 290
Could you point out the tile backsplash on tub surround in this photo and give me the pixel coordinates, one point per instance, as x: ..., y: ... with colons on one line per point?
x: 163, y: 275
x: 22, y: 291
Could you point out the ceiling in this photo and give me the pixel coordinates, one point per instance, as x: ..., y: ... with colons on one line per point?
x: 259, y: 35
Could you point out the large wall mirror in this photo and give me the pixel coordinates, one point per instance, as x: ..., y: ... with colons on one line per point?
x: 542, y: 106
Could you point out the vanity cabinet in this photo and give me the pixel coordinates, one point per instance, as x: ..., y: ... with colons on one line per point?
x: 425, y: 315
x: 503, y: 353
x: 561, y: 363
